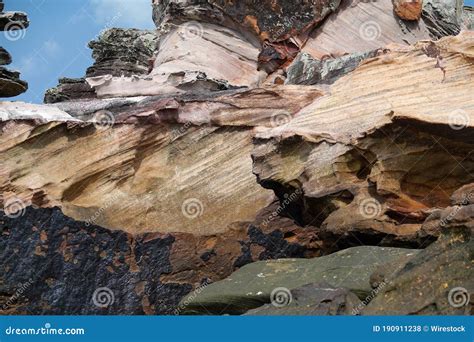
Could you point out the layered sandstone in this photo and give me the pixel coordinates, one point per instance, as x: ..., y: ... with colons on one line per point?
x: 242, y: 132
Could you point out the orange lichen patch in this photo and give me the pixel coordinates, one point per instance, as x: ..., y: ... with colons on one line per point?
x: 147, y: 308
x: 408, y: 207
x: 140, y: 288
x: 252, y: 22
x: 39, y: 251
x: 130, y: 258
x: 43, y: 236
x: 255, y: 251
x: 408, y: 9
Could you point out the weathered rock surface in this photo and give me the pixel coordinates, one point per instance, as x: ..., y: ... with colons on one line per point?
x: 438, y: 280
x: 63, y: 262
x: 362, y: 168
x: 69, y: 89
x: 460, y: 213
x: 10, y: 83
x: 269, y: 20
x: 37, y: 114
x: 312, y: 300
x: 408, y: 9
x: 252, y: 285
x: 468, y: 18
x: 117, y: 53
x: 363, y: 26
x: 120, y: 52
x: 10, y: 21
x: 157, y: 172
x: 444, y: 17
x: 179, y: 163
x: 5, y: 57
x: 307, y: 70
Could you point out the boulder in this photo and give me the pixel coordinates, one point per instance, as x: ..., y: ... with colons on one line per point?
x: 252, y: 285
x: 5, y: 57
x: 122, y: 52
x: 69, y: 89
x: 310, y: 300
x: 10, y: 83
x: 12, y: 21
x: 437, y: 281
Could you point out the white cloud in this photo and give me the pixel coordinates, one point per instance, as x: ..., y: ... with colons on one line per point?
x: 51, y: 48
x: 123, y: 13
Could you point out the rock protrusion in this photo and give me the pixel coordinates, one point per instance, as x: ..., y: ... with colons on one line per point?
x: 10, y: 83
x: 350, y: 269
x: 437, y: 281
x: 408, y: 9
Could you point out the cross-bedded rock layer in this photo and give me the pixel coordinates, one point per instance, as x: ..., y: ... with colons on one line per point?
x: 157, y: 172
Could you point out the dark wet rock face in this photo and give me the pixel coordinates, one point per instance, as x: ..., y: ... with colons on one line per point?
x: 66, y: 261
x: 278, y: 20
x: 63, y: 262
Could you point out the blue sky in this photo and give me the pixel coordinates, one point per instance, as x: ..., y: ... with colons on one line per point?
x: 55, y: 44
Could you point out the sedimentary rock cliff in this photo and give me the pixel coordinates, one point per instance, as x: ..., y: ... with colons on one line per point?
x: 244, y: 132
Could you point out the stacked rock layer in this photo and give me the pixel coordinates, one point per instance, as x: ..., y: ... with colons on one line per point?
x: 307, y: 146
